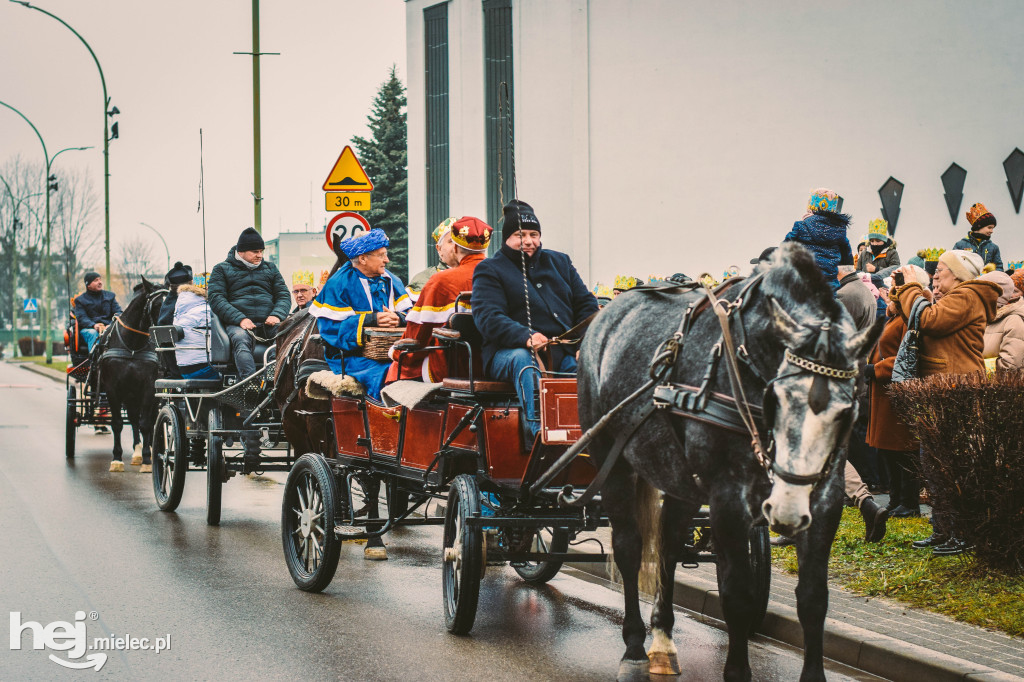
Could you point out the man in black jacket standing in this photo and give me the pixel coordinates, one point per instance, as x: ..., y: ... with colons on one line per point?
x: 95, y: 309
x: 244, y: 291
x: 514, y: 323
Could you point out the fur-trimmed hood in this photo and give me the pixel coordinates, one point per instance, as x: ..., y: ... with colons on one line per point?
x: 193, y: 288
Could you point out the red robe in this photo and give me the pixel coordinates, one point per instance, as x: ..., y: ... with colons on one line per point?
x: 435, y: 305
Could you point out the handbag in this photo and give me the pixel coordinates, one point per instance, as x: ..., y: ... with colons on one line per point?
x: 905, y: 364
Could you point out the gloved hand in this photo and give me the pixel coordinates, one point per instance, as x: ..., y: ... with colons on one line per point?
x: 869, y: 372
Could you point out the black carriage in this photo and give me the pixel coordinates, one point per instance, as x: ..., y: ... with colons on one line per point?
x: 464, y: 445
x: 200, y: 422
x: 86, y: 403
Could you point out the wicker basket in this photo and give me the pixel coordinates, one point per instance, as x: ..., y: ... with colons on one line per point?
x: 377, y: 341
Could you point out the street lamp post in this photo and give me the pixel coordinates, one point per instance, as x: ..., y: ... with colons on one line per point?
x: 14, y: 264
x: 161, y: 239
x: 106, y: 139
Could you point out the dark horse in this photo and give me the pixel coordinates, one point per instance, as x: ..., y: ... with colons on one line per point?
x: 128, y: 370
x: 798, y: 350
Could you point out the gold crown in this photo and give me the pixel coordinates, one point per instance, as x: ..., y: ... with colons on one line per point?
x: 602, y: 290
x: 623, y: 282
x: 303, y: 277
x: 878, y: 226
x: 324, y: 276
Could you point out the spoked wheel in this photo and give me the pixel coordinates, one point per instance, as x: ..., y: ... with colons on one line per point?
x: 308, y: 517
x: 462, y: 566
x: 170, y: 459
x: 215, y: 471
x: 70, y: 427
x: 761, y: 573
x: 544, y: 540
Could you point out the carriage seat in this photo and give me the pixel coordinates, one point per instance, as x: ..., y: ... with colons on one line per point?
x: 457, y: 385
x: 189, y: 385
x: 220, y: 345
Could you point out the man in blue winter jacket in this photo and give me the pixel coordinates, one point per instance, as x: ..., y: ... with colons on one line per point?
x: 95, y: 309
x: 558, y: 300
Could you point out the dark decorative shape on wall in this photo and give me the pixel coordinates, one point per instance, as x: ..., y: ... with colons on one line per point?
x: 891, y: 193
x: 953, y: 184
x: 1013, y: 166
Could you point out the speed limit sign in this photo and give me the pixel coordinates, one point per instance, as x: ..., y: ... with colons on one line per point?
x: 344, y: 225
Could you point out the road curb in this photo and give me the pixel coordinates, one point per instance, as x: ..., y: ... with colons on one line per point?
x: 42, y: 371
x: 850, y: 645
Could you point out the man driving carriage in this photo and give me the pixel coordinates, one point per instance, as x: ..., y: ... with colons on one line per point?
x: 95, y: 309
x: 513, y: 323
x: 362, y: 293
x: 470, y: 238
x: 245, y: 291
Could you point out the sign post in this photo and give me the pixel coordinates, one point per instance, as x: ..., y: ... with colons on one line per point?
x: 31, y: 307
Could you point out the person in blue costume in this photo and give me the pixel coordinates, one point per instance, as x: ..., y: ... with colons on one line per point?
x: 362, y: 293
x: 823, y: 231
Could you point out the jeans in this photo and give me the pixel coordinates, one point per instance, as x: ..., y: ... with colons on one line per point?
x: 90, y: 336
x: 508, y: 364
x: 241, y: 348
x: 206, y: 372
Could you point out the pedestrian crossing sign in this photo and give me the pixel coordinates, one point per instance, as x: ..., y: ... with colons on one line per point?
x: 348, y: 174
x: 31, y: 305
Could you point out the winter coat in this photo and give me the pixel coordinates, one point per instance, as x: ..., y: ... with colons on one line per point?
x: 192, y: 314
x: 953, y: 328
x: 824, y: 234
x: 888, y: 258
x: 857, y: 300
x: 988, y: 251
x: 885, y: 428
x: 237, y: 292
x: 92, y: 307
x: 166, y: 314
x: 1004, y: 336
x: 559, y: 300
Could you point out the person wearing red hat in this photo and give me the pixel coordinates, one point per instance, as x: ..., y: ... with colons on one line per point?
x: 436, y: 303
x: 979, y: 239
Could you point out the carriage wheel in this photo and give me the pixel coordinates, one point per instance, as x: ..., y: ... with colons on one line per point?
x: 308, y: 516
x: 544, y: 540
x: 215, y: 471
x: 70, y: 427
x: 761, y: 573
x: 170, y: 459
x: 462, y: 565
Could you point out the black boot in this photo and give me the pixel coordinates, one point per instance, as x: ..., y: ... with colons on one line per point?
x: 875, y: 518
x: 933, y: 540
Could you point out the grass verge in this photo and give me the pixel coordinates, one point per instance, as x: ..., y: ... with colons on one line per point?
x: 41, y: 360
x: 954, y: 586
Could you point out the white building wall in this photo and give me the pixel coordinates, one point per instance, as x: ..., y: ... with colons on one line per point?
x: 658, y: 136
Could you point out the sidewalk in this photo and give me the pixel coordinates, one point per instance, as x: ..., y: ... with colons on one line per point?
x: 878, y: 636
x: 47, y: 372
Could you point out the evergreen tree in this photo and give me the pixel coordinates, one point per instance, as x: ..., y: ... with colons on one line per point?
x: 385, y: 159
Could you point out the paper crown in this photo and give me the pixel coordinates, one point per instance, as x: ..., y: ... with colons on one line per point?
x: 878, y: 229
x: 623, y: 282
x: 200, y: 279
x: 443, y: 227
x: 1015, y: 265
x: 651, y: 279
x: 324, y: 276
x: 933, y: 253
x: 602, y: 290
x: 978, y: 216
x: 303, y: 277
x: 823, y: 200
x: 471, y: 233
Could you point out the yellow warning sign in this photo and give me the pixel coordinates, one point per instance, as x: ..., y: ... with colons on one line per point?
x: 348, y: 201
x: 347, y: 175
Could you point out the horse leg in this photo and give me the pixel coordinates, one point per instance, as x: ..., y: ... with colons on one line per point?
x: 812, y: 551
x: 147, y: 418
x: 375, y: 549
x: 730, y: 526
x: 676, y: 517
x: 133, y: 419
x: 116, y: 424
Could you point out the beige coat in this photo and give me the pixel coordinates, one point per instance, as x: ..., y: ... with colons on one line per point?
x: 1004, y: 337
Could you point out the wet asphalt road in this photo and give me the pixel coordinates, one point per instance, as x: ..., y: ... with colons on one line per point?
x: 74, y: 537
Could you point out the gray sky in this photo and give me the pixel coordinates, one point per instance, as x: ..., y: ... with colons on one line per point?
x: 169, y: 68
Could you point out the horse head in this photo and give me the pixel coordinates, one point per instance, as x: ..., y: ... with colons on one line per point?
x: 810, y: 404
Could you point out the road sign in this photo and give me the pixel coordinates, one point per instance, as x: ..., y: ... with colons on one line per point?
x: 346, y: 224
x: 31, y: 305
x: 348, y: 174
x: 348, y: 201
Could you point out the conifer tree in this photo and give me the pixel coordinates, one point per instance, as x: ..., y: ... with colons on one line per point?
x: 385, y: 159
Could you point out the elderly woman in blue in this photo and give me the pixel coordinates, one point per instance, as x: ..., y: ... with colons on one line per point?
x: 362, y: 293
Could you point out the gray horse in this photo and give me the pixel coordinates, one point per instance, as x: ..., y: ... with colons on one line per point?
x: 797, y: 351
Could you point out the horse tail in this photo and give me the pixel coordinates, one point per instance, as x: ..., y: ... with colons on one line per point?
x: 648, y: 519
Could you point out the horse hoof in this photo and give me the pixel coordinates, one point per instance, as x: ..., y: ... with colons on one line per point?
x: 146, y: 469
x: 116, y: 465
x: 664, y: 663
x: 633, y: 671
x: 137, y: 455
x: 375, y: 554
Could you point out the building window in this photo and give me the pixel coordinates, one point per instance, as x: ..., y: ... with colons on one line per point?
x: 499, y: 125
x: 435, y: 22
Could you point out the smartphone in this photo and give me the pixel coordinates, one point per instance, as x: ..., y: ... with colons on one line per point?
x: 897, y: 279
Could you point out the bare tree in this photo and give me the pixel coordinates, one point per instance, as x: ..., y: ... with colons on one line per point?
x: 135, y: 258
x: 21, y: 232
x: 74, y: 235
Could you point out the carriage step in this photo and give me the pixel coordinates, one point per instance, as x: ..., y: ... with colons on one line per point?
x: 346, y: 531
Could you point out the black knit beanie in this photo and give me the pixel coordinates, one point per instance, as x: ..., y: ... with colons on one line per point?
x: 90, y: 276
x: 250, y: 240
x: 179, y: 274
x: 518, y: 215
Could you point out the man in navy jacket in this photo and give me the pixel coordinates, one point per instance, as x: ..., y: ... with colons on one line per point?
x: 558, y: 300
x: 95, y: 309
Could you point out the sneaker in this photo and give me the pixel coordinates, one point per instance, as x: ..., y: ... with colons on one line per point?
x: 933, y: 540
x: 903, y: 512
x: 951, y: 548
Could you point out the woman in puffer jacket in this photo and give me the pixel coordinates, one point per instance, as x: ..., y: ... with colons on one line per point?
x: 192, y: 314
x: 1004, y: 336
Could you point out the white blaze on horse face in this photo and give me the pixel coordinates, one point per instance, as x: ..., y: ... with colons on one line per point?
x: 804, y: 442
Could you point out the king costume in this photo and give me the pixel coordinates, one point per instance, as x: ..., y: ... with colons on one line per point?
x: 349, y: 303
